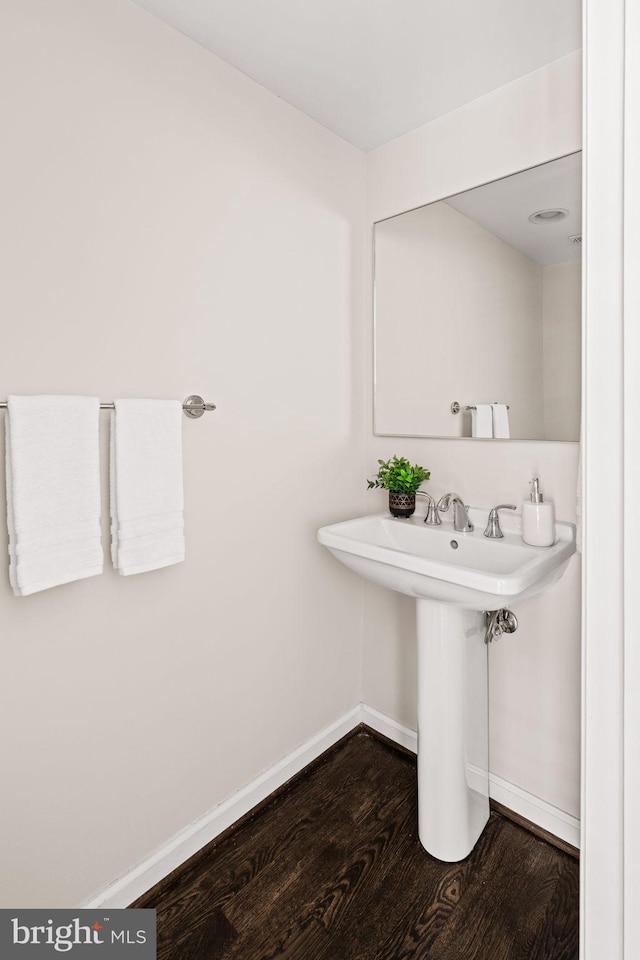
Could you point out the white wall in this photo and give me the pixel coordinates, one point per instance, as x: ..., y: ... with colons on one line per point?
x: 562, y: 354
x: 458, y: 316
x: 534, y: 675
x: 171, y: 227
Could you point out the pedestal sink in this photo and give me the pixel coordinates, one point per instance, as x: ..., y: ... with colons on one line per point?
x: 454, y: 578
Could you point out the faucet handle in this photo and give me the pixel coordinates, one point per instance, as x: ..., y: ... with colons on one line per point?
x: 432, y: 517
x: 493, y: 531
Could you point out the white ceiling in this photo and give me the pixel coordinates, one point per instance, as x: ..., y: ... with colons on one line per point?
x: 370, y: 70
x: 504, y: 207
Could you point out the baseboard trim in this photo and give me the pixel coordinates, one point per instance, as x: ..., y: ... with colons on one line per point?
x: 532, y: 808
x: 158, y: 865
x: 533, y: 828
x: 154, y: 868
x: 549, y: 818
x: 389, y: 728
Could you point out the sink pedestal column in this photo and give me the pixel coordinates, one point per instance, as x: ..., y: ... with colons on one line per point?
x: 453, y: 729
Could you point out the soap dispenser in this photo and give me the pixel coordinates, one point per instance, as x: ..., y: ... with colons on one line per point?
x: 538, y: 518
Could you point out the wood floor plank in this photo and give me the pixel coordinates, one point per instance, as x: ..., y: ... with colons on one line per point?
x: 265, y: 822
x: 278, y: 833
x: 210, y: 938
x: 324, y: 852
x: 506, y: 901
x: 558, y: 936
x: 327, y: 880
x: 332, y: 869
x: 434, y: 891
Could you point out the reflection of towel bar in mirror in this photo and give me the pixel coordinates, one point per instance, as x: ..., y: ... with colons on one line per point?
x: 456, y: 407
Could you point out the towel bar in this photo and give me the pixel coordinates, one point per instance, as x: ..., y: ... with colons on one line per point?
x: 193, y: 407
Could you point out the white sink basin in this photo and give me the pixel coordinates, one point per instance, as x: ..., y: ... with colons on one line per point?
x: 438, y: 563
x: 453, y: 576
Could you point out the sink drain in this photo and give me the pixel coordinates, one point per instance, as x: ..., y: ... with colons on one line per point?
x: 454, y: 544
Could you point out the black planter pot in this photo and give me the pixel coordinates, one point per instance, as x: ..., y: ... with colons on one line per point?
x: 401, y: 504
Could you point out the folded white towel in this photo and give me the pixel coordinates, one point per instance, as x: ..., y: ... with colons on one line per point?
x: 53, y: 491
x: 147, y: 525
x: 481, y: 420
x: 500, y: 415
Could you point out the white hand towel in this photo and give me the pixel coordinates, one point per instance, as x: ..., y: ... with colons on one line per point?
x: 53, y: 491
x: 481, y: 420
x: 500, y: 416
x: 147, y: 525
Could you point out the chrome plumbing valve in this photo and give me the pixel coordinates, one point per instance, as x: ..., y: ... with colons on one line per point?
x: 498, y: 622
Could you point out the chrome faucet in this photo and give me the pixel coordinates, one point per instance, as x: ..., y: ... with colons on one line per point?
x: 493, y: 531
x: 432, y: 517
x: 461, y: 521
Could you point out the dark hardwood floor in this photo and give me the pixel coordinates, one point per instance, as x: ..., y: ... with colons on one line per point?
x: 331, y: 869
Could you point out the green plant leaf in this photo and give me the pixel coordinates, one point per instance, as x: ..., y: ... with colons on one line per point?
x: 397, y: 474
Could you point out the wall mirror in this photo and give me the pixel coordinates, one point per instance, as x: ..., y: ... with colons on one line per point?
x: 478, y: 300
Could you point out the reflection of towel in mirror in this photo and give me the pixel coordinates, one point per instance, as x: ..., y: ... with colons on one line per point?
x: 481, y: 420
x: 500, y: 416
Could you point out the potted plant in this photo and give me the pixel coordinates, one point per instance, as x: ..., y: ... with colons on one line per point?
x: 402, y: 480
